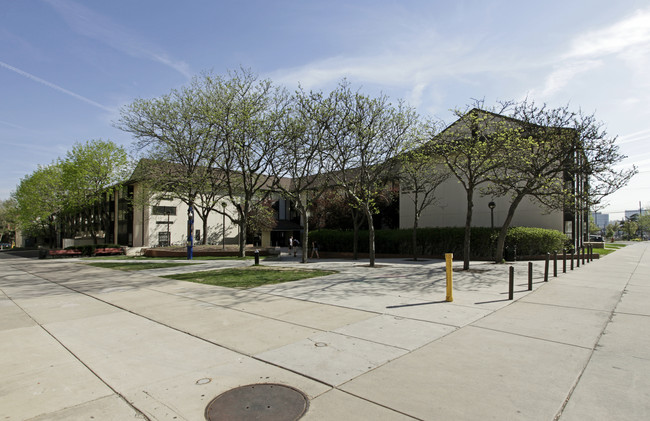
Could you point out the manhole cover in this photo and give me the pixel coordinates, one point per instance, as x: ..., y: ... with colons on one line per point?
x: 263, y: 402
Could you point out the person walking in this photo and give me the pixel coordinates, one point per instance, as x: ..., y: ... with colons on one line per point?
x: 296, y: 244
x: 314, y: 249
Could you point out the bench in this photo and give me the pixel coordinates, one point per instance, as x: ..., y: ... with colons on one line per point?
x: 106, y: 251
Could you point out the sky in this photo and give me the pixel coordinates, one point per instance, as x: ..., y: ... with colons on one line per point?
x: 68, y: 67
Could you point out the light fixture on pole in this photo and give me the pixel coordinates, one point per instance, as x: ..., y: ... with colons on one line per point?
x: 169, y: 238
x: 492, y: 205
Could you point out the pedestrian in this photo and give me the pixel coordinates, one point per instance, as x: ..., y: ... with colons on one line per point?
x: 296, y: 244
x: 314, y: 249
x: 290, y: 244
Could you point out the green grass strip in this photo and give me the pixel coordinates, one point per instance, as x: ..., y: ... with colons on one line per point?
x: 249, y: 277
x: 136, y: 266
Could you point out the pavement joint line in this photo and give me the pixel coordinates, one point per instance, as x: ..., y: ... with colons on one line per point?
x: 521, y: 335
x: 129, y: 403
x: 595, y: 347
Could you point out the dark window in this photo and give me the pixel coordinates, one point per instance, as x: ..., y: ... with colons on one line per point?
x: 163, y: 239
x: 163, y: 210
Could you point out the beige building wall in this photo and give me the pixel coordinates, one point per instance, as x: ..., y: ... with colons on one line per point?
x: 450, y: 210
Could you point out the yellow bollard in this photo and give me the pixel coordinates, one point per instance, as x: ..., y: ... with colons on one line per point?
x: 449, y: 257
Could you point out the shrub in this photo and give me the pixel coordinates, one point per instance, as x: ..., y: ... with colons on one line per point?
x: 438, y: 241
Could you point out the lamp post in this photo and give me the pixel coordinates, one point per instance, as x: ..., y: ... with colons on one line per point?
x: 492, y: 205
x: 223, y: 226
x: 169, y: 238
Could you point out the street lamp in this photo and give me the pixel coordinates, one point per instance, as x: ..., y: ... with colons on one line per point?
x: 492, y: 205
x: 169, y: 238
x: 223, y: 226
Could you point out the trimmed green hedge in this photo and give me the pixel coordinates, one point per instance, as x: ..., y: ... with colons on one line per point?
x: 438, y: 241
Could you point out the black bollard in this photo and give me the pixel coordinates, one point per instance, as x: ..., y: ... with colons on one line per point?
x: 583, y: 255
x: 257, y: 257
x: 555, y: 264
x: 530, y: 276
x: 572, y: 260
x: 548, y: 256
x: 511, y: 283
x: 564, y: 261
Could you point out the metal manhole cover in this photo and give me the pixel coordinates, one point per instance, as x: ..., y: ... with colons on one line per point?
x: 263, y: 402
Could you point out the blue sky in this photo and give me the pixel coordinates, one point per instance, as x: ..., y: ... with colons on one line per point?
x: 66, y: 67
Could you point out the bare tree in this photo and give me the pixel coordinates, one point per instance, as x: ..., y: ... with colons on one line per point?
x: 365, y: 136
x: 473, y: 148
x: 421, y: 171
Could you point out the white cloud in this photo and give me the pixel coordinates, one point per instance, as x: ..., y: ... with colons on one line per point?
x: 564, y: 73
x: 54, y: 86
x: 95, y: 26
x: 628, y: 40
x: 631, y: 32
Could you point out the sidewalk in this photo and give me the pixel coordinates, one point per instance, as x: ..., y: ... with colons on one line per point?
x: 366, y: 343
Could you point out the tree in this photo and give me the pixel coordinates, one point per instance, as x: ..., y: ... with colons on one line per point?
x: 40, y: 197
x: 611, y: 229
x: 175, y: 136
x: 644, y: 222
x: 245, y: 120
x: 472, y: 149
x: 420, y: 174
x: 365, y: 136
x: 630, y: 228
x: 90, y: 171
x: 300, y: 155
x: 539, y: 150
x: 8, y: 217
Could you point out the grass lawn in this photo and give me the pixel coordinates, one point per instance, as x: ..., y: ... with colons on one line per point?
x: 136, y: 266
x: 249, y: 277
x: 609, y: 248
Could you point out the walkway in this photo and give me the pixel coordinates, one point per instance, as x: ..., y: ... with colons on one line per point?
x: 380, y: 344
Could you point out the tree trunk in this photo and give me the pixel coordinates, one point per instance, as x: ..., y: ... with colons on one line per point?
x: 415, y: 237
x: 190, y: 231
x: 204, y: 240
x: 243, y: 226
x: 468, y: 228
x: 503, y: 232
x: 371, y: 238
x: 305, y: 239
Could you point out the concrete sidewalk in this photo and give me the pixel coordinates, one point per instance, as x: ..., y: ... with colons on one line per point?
x: 381, y: 343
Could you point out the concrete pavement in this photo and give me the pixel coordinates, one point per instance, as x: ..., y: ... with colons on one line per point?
x: 365, y: 343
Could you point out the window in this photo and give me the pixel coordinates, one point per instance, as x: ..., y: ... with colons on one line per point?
x: 163, y: 239
x: 163, y: 210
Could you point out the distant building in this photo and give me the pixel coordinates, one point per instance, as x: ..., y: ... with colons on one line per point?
x: 638, y: 212
x: 601, y: 219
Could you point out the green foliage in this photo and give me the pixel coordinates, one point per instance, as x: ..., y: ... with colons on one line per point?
x: 438, y: 241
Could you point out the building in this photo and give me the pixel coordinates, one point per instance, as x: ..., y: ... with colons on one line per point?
x: 451, y: 205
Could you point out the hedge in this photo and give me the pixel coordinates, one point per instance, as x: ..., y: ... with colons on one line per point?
x: 438, y: 241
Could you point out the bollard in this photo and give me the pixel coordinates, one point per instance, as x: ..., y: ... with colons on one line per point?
x: 555, y: 264
x: 257, y: 257
x: 572, y: 260
x: 564, y: 261
x: 548, y: 256
x: 578, y: 258
x: 583, y: 255
x: 530, y: 276
x: 591, y: 252
x: 511, y: 283
x: 448, y: 258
